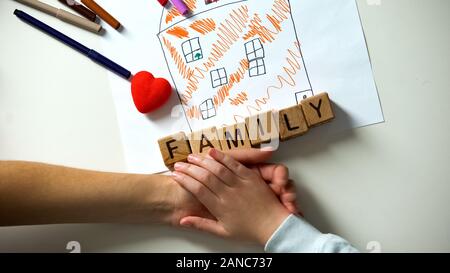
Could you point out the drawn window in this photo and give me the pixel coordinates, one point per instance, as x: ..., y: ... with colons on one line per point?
x: 219, y: 77
x: 254, y: 50
x: 192, y: 50
x: 255, y: 55
x: 257, y: 68
x: 207, y: 109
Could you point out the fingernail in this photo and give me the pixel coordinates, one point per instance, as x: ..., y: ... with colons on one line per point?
x: 267, y: 149
x: 186, y: 224
x: 193, y: 158
x: 175, y: 175
x: 179, y: 165
x: 213, y: 153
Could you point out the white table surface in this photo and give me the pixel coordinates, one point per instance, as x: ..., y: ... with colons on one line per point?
x: 387, y: 183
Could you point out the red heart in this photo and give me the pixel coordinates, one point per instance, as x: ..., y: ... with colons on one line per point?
x: 149, y: 93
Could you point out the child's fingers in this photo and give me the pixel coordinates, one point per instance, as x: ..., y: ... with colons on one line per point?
x: 288, y: 192
x: 229, y: 162
x: 204, y: 224
x: 200, y: 191
x: 289, y: 197
x: 289, y: 203
x: 276, y: 189
x: 275, y: 173
x: 219, y: 170
x: 292, y: 208
x: 203, y: 176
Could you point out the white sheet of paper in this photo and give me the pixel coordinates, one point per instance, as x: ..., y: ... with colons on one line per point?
x: 231, y: 59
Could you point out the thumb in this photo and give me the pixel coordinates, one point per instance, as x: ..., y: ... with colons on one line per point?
x: 204, y: 224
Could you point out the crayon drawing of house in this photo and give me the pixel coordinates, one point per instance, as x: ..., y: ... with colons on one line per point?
x: 232, y: 59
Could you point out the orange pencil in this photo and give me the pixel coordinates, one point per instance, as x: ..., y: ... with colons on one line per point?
x: 102, y: 13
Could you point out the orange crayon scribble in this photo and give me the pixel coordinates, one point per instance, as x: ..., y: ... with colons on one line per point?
x: 179, y: 32
x: 193, y: 112
x: 204, y: 26
x: 173, y: 13
x: 229, y: 33
x: 239, y: 99
x: 224, y: 91
x: 280, y: 12
x: 257, y: 29
x: 293, y: 66
x: 184, y: 70
x: 235, y: 78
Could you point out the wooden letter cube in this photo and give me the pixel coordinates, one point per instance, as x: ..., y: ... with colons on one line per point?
x: 317, y: 109
x: 174, y: 148
x: 292, y: 123
x: 234, y: 137
x: 204, y: 140
x: 262, y: 128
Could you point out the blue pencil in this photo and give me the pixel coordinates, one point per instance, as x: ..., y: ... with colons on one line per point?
x: 90, y: 53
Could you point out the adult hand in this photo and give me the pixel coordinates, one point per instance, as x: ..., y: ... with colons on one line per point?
x: 275, y: 175
x: 243, y: 206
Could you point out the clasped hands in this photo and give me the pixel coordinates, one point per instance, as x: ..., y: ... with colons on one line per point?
x: 234, y: 195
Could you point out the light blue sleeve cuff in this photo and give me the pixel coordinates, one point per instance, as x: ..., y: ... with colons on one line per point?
x: 295, y: 235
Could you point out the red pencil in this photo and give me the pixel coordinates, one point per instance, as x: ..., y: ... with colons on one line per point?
x: 163, y: 2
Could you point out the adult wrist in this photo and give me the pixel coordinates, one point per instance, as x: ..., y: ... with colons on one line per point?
x: 150, y: 199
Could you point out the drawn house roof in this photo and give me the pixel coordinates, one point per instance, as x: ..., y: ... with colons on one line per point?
x: 171, y: 16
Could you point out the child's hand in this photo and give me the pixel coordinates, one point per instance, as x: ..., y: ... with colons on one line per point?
x: 275, y: 175
x: 238, y: 197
